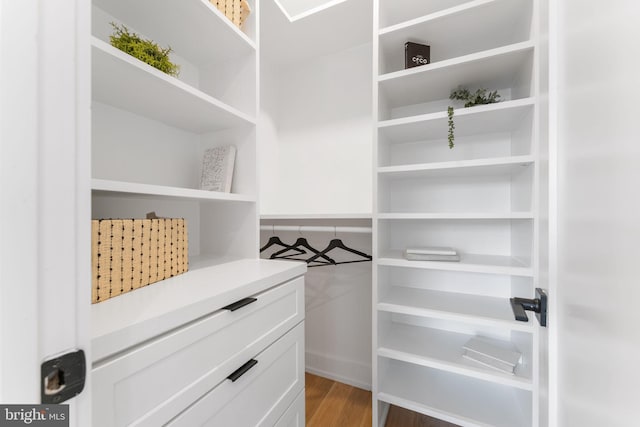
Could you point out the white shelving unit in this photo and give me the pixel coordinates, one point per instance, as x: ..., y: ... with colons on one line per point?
x: 479, y: 197
x: 149, y: 131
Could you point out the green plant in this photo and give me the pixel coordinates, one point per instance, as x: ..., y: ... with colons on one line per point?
x: 479, y: 97
x: 145, y: 50
x: 451, y: 126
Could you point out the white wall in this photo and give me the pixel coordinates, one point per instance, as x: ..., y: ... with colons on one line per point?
x: 595, y: 327
x: 315, y: 135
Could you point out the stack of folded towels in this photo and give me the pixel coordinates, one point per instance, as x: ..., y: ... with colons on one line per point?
x: 432, y: 253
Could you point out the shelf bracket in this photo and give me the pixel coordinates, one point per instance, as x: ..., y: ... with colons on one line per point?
x: 538, y: 305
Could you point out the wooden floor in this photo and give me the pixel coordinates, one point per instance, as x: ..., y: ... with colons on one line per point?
x: 333, y: 404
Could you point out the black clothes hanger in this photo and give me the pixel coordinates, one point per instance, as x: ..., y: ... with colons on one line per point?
x: 275, y: 240
x: 302, y: 242
x: 337, y: 244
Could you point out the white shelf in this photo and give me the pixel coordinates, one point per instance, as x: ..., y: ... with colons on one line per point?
x: 494, y: 69
x: 481, y: 167
x: 195, y: 29
x: 475, y: 309
x: 125, y: 82
x: 487, y: 24
x: 456, y: 215
x: 453, y: 398
x: 210, y: 283
x: 102, y: 186
x: 472, y: 263
x: 443, y: 350
x: 503, y: 116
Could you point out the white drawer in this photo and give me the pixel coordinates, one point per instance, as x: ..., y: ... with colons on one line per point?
x: 295, y: 415
x: 260, y: 396
x: 152, y: 383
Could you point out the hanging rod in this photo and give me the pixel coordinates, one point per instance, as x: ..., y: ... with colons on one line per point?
x: 315, y: 228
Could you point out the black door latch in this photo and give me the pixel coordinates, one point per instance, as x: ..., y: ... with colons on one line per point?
x: 538, y: 305
x: 63, y: 377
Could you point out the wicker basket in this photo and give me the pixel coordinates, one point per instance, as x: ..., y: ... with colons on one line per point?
x: 236, y: 10
x: 127, y: 254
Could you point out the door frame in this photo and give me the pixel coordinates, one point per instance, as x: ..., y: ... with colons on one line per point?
x: 45, y: 166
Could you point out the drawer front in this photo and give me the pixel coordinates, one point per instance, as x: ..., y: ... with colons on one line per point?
x: 261, y: 396
x: 154, y: 382
x: 295, y: 415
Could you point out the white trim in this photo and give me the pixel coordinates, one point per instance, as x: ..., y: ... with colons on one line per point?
x: 554, y: 319
x: 19, y: 363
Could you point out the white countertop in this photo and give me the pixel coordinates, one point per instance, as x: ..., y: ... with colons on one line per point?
x: 129, y: 319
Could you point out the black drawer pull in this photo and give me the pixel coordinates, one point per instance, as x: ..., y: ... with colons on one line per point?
x: 239, y: 304
x: 242, y: 370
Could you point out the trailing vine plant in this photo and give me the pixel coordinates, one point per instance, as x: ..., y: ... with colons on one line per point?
x: 479, y: 97
x: 452, y: 126
x: 145, y: 50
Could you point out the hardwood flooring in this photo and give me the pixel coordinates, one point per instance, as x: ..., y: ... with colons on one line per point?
x: 333, y: 404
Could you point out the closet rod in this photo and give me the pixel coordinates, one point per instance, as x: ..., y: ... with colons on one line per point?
x: 315, y: 228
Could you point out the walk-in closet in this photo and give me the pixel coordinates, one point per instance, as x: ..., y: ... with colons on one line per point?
x: 323, y: 213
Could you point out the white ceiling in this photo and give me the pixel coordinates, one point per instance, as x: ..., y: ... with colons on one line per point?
x: 313, y: 28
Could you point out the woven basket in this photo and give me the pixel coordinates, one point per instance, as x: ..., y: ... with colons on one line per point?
x: 236, y: 10
x: 127, y: 254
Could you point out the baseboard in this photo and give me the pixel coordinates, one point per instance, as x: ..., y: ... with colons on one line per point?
x: 349, y: 372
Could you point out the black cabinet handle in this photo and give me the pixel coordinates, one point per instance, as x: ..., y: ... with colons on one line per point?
x: 239, y: 304
x: 242, y: 370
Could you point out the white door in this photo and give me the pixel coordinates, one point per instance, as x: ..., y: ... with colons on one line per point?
x: 44, y: 193
x: 595, y: 288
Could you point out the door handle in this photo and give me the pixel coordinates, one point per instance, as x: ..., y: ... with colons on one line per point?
x: 538, y: 305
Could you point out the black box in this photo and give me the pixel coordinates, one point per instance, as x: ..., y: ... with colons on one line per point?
x: 416, y: 54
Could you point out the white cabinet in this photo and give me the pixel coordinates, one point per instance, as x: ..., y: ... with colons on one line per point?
x: 295, y: 415
x: 261, y: 395
x: 481, y: 197
x: 181, y: 374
